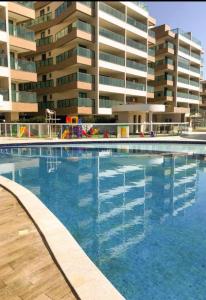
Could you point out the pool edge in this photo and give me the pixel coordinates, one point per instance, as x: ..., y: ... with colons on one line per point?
x: 87, y: 281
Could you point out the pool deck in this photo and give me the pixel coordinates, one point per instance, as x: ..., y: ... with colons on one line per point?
x: 168, y: 139
x: 27, y: 270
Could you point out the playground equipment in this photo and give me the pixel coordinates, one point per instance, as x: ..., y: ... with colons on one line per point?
x: 72, y: 119
x: 23, y: 131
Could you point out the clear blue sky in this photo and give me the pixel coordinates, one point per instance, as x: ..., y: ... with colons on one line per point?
x: 190, y: 16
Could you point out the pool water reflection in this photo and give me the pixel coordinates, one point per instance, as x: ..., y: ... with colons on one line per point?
x: 140, y: 217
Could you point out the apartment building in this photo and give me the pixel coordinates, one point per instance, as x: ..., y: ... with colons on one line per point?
x: 94, y: 58
x: 203, y: 98
x: 15, y: 41
x: 177, y: 73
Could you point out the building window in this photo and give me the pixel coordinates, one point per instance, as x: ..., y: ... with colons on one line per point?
x: 44, y: 98
x: 48, y: 8
x: 48, y: 31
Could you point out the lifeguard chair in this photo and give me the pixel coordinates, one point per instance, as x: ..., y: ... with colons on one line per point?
x: 50, y: 116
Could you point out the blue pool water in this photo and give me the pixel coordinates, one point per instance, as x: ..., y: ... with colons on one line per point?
x: 140, y: 216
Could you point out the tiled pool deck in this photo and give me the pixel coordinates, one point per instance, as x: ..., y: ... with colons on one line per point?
x: 27, y: 270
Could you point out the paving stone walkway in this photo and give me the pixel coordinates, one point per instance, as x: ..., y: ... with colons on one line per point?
x: 27, y: 270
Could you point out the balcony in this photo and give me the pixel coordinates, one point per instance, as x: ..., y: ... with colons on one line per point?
x: 141, y: 5
x: 187, y: 96
x: 74, y: 52
x: 76, y: 106
x: 150, y: 70
x: 112, y: 58
x: 193, y: 69
x: 44, y: 105
x: 3, y: 60
x: 194, y: 83
x: 151, y: 52
x: 44, y: 63
x: 22, y: 65
x: 197, y: 56
x: 137, y: 66
x: 39, y: 20
x: 62, y: 8
x: 136, y: 24
x: 112, y: 35
x: 75, y: 81
x: 184, y: 50
x: 111, y: 81
x: 111, y: 11
x: 136, y: 45
x: 108, y: 103
x: 23, y: 96
x: 44, y: 41
x: 2, y: 25
x: 186, y: 35
x: 5, y: 94
x: 79, y: 102
x: 135, y: 85
x: 21, y: 32
x: 183, y: 80
x: 84, y: 77
x: 78, y: 25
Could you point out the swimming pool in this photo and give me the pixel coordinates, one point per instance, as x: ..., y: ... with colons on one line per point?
x: 140, y: 216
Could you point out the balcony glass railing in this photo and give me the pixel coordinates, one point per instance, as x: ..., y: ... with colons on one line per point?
x: 23, y: 65
x: 197, y: 56
x: 165, y: 77
x: 187, y: 35
x: 77, y: 24
x: 28, y: 4
x: 20, y: 31
x: 84, y: 77
x: 183, y: 65
x: 42, y: 84
x: 183, y: 80
x: 111, y: 81
x: 108, y: 103
x: 194, y: 83
x: 168, y: 93
x: 5, y: 94
x: 135, y: 85
x: 75, y: 102
x: 188, y: 96
x: 185, y: 50
x: 73, y: 52
x: 135, y: 65
x: 150, y: 89
x: 150, y: 70
x: 39, y: 20
x: 2, y: 25
x: 44, y: 41
x: 44, y: 63
x: 194, y: 97
x: 136, y: 45
x: 44, y: 105
x: 62, y: 8
x: 151, y: 33
x: 3, y: 60
x: 167, y: 61
x: 111, y: 35
x: 112, y: 58
x: 111, y: 11
x: 22, y: 96
x: 151, y: 52
x: 193, y: 69
x: 141, y: 4
x: 136, y: 24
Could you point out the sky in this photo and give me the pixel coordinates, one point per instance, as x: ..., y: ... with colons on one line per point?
x: 189, y: 16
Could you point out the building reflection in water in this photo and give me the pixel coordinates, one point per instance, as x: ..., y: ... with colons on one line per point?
x: 117, y: 196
